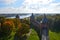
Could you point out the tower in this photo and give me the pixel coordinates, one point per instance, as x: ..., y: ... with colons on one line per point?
x: 44, y: 28
x: 44, y: 19
x: 31, y: 20
x: 17, y: 16
x: 32, y: 17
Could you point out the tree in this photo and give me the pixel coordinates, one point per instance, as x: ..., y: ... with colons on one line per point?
x: 21, y: 32
x: 6, y: 28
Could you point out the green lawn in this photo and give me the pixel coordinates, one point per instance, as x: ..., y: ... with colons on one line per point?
x: 33, y: 36
x: 52, y: 36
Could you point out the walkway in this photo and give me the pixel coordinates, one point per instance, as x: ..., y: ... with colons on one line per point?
x: 45, y: 35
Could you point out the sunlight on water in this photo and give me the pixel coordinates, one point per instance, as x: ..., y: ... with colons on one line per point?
x: 21, y: 17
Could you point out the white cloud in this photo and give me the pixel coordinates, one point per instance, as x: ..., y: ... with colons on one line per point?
x: 34, y: 6
x: 57, y: 8
x: 38, y: 1
x: 9, y: 1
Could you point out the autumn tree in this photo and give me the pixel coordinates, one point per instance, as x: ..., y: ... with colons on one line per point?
x: 7, y: 27
x: 22, y: 30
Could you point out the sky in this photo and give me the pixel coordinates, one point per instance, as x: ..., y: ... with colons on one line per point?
x: 29, y: 6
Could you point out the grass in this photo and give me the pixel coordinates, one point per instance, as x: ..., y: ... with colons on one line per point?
x: 33, y: 36
x: 52, y: 36
x: 12, y: 35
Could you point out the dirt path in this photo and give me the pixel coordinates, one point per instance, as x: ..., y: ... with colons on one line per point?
x: 28, y: 34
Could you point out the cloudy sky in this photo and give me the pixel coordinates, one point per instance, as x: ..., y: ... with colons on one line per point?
x: 29, y: 6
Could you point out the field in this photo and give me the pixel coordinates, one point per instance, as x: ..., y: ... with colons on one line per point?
x: 33, y: 35
x: 17, y: 29
x: 52, y: 36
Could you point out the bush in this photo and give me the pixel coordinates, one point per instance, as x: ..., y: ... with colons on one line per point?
x: 16, y: 22
x: 54, y: 24
x: 21, y: 32
x: 6, y: 28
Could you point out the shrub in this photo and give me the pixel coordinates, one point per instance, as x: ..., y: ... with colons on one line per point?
x: 6, y: 28
x: 21, y: 32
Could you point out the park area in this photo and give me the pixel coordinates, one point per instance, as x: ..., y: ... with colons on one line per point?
x: 19, y: 29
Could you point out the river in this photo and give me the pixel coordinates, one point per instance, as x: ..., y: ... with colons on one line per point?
x: 20, y: 16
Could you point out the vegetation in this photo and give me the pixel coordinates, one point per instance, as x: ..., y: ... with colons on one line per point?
x: 16, y: 29
x: 12, y: 29
x: 54, y: 35
x: 33, y: 35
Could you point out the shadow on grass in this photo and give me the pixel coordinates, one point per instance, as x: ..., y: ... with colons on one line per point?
x: 36, y: 29
x: 19, y: 37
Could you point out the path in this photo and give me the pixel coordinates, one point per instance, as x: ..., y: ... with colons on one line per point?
x: 45, y: 35
x: 37, y: 26
x: 28, y: 34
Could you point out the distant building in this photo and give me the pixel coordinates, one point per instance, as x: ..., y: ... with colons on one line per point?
x: 17, y: 16
x: 32, y: 17
x: 44, y: 19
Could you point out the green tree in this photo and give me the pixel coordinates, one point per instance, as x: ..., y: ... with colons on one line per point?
x: 21, y: 32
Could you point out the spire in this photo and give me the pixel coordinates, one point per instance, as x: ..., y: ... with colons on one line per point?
x: 44, y: 19
x: 17, y: 16
x: 32, y: 16
x: 44, y: 16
